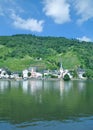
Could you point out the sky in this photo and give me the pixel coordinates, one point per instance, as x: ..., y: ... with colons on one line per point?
x: 59, y: 18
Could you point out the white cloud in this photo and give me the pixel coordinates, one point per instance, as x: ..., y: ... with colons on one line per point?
x: 84, y: 38
x: 29, y: 24
x: 84, y: 9
x: 10, y: 12
x: 59, y: 10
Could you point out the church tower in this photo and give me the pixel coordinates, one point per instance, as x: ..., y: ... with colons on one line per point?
x: 61, y: 69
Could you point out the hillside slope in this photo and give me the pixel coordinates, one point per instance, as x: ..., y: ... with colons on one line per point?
x: 21, y: 51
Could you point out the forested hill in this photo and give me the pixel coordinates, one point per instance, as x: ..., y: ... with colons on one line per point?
x: 21, y: 51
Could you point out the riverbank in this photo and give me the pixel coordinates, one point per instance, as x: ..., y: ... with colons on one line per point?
x: 45, y: 79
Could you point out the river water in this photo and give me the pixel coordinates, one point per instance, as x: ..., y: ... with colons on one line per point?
x: 46, y: 105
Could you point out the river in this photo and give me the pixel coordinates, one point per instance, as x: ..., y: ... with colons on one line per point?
x: 46, y: 105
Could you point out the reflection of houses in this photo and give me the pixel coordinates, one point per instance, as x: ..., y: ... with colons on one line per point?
x: 25, y: 86
x: 3, y: 85
x: 81, y: 85
x: 14, y: 83
x: 32, y: 86
x: 35, y: 86
x: 61, y: 87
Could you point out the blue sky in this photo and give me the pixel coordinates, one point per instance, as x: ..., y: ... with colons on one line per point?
x: 61, y: 18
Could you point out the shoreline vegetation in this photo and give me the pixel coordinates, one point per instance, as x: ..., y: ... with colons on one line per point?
x: 19, y: 52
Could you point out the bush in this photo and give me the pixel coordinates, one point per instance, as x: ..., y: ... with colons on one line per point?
x: 29, y: 74
x: 66, y: 77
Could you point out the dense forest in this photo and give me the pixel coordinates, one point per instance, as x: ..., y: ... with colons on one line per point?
x: 18, y: 52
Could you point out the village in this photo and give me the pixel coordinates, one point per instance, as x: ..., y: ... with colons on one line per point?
x: 32, y: 72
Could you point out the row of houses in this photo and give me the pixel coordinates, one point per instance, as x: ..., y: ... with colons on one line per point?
x: 32, y: 73
x: 27, y: 73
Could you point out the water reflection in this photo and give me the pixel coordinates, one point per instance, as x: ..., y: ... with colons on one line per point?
x: 61, y: 87
x: 35, y: 86
x: 82, y: 85
x: 25, y: 86
x: 14, y: 83
x: 3, y: 85
x: 68, y: 86
x: 25, y: 101
x: 32, y: 86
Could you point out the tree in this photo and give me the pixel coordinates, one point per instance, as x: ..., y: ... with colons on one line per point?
x: 29, y: 74
x: 66, y: 77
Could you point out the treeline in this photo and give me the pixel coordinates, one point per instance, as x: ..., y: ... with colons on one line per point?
x: 49, y: 49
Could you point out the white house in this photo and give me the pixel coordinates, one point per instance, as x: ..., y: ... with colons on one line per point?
x: 38, y: 75
x: 3, y: 73
x: 81, y: 72
x: 25, y: 73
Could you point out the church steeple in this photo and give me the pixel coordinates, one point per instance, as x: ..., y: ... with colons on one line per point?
x: 61, y: 68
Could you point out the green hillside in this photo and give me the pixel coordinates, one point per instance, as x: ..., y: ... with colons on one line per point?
x: 21, y: 51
